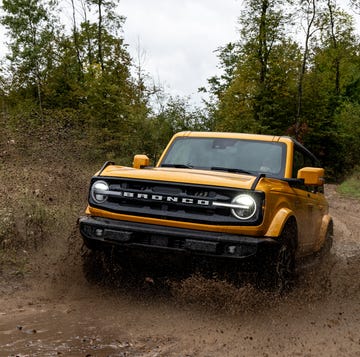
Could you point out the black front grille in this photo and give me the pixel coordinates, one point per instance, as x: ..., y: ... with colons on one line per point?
x: 171, y: 201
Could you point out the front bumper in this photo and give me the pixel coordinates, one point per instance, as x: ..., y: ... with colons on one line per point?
x: 101, y: 232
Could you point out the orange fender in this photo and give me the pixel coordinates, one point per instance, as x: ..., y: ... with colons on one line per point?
x: 278, y: 222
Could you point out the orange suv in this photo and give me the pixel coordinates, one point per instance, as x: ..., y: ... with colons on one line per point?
x: 220, y: 196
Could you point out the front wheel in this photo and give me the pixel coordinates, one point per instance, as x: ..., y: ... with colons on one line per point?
x: 277, y: 272
x: 285, y: 264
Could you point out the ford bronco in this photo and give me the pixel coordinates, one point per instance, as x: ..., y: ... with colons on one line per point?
x: 226, y: 197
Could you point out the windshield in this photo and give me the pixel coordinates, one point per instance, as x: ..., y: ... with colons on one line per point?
x: 233, y: 155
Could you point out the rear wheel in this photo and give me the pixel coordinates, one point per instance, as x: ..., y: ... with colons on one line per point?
x: 325, y: 249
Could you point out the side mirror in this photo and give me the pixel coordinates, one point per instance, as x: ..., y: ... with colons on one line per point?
x: 140, y: 161
x: 312, y: 176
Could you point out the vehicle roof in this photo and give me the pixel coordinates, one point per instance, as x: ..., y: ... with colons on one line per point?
x: 214, y: 134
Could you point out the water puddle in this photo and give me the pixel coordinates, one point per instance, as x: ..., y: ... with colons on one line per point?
x: 57, y: 334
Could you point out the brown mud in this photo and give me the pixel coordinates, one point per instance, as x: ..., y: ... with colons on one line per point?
x: 52, y: 310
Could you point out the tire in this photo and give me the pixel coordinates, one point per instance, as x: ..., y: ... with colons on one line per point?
x: 324, y: 252
x: 285, y: 259
x: 102, y: 266
x: 277, y: 272
x: 94, y: 266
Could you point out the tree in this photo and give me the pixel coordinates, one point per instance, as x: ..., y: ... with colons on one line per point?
x: 332, y: 72
x: 309, y: 10
x: 32, y: 32
x: 228, y: 56
x: 75, y: 32
x: 262, y: 26
x: 256, y: 91
x: 347, y: 121
x: 175, y: 115
x: 108, y: 21
x: 338, y: 40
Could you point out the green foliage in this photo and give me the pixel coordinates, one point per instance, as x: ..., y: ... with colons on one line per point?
x: 83, y: 82
x: 260, y: 89
x: 228, y: 57
x: 87, y: 88
x: 174, y: 116
x: 257, y: 91
x: 351, y: 186
x: 348, y: 124
x: 32, y: 31
x: 250, y: 106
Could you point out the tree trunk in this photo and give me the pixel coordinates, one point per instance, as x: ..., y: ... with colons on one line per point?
x: 335, y: 45
x: 303, y: 71
x: 76, y: 42
x: 100, y: 50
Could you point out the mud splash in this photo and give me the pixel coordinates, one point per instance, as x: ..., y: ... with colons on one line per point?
x: 62, y: 314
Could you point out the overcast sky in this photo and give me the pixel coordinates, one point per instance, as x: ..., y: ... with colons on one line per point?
x: 178, y: 38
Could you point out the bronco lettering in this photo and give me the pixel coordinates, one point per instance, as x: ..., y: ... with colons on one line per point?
x: 146, y: 196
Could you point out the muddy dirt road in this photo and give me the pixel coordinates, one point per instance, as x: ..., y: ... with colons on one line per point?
x: 61, y: 314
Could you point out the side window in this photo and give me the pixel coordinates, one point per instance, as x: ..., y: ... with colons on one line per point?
x: 298, y: 163
x: 302, y: 159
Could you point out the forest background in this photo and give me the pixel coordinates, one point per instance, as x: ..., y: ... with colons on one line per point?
x: 77, y: 82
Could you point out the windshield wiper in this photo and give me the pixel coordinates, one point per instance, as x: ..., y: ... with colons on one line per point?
x: 178, y: 166
x: 229, y: 169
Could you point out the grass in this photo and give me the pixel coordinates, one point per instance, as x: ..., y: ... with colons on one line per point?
x: 351, y: 186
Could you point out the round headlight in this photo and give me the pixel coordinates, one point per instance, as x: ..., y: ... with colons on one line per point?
x: 98, y: 191
x: 244, y: 207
